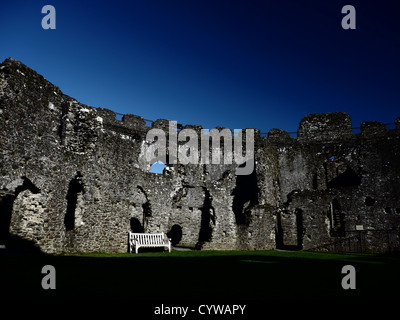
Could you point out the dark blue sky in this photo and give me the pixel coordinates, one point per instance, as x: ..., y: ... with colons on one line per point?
x: 237, y: 64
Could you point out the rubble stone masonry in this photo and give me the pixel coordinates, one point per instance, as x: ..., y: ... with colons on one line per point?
x: 72, y: 179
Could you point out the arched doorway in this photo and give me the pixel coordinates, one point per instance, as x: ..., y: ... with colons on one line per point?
x: 7, y: 199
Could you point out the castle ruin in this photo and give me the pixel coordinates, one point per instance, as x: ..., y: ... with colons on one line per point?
x: 72, y: 180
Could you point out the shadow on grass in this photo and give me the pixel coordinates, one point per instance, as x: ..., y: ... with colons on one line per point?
x: 199, y: 275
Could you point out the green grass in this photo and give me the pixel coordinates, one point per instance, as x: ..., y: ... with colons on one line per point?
x: 199, y: 275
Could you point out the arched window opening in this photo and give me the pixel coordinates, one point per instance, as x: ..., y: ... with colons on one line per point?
x: 75, y: 192
x: 7, y: 198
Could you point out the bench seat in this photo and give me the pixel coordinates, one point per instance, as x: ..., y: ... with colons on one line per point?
x: 148, y: 240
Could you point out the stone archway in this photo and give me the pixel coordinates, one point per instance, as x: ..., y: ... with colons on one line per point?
x: 13, y: 213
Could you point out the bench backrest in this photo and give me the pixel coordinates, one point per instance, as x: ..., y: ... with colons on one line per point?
x: 146, y: 238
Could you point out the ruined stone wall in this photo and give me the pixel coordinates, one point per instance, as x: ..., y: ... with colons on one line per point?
x: 333, y: 182
x: 73, y: 179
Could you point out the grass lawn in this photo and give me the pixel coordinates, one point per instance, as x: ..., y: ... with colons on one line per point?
x: 202, y: 275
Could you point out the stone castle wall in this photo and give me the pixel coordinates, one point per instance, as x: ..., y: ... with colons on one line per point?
x: 72, y: 179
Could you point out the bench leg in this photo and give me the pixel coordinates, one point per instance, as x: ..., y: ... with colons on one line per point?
x: 136, y: 249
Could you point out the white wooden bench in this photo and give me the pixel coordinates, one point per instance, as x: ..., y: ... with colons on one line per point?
x: 148, y: 240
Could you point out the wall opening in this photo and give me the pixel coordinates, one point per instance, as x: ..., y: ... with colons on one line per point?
x: 207, y: 220
x: 300, y: 228
x: 75, y: 189
x: 315, y: 182
x: 245, y: 196
x: 157, y: 167
x: 136, y: 226
x: 369, y: 201
x: 175, y: 234
x: 348, y: 178
x: 6, y: 207
x: 146, y: 208
x: 289, y: 230
x: 336, y: 219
